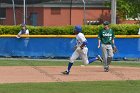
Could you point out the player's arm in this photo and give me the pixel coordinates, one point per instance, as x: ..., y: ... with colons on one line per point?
x: 83, y: 40
x: 75, y: 46
x: 115, y: 49
x: 84, y: 44
x: 18, y: 35
x: 113, y: 43
x: 99, y: 39
x: 113, y: 36
x: 27, y: 32
x: 99, y: 42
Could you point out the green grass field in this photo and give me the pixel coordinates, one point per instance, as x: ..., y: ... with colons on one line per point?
x: 28, y: 62
x: 73, y: 87
x: 128, y: 86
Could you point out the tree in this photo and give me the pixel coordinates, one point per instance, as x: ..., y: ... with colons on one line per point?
x: 128, y: 7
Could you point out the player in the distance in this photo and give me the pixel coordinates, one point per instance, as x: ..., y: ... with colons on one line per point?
x: 24, y: 31
x: 80, y: 50
x: 106, y: 39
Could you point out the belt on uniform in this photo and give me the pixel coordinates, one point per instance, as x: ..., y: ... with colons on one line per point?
x: 107, y: 44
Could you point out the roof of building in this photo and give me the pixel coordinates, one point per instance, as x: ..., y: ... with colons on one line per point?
x: 57, y: 3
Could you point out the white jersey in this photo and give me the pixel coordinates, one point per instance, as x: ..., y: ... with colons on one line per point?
x: 80, y: 38
x: 26, y: 32
x: 80, y: 52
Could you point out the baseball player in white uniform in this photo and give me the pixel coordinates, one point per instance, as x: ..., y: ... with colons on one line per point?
x: 80, y: 50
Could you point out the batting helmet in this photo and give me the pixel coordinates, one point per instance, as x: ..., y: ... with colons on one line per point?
x: 106, y: 23
x: 78, y: 28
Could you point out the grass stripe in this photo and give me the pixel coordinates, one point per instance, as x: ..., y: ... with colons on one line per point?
x: 73, y: 87
x: 24, y: 62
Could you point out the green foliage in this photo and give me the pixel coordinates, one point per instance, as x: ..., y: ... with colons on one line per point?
x: 125, y: 29
x: 123, y: 8
x: 131, y: 8
x: 50, y: 30
x: 120, y: 29
x: 9, y: 30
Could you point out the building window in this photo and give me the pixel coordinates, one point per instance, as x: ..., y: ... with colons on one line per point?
x: 2, y: 13
x: 55, y: 11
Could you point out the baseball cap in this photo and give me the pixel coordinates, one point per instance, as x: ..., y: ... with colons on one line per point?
x: 23, y: 24
x: 106, y: 23
x: 78, y: 28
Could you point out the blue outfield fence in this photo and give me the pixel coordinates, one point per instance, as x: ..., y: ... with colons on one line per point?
x: 62, y: 47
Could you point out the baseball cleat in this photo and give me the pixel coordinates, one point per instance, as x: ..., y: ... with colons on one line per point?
x: 106, y: 69
x: 100, y: 58
x: 65, y: 73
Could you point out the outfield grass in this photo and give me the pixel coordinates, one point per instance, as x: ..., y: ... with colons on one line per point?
x: 73, y: 87
x: 25, y: 62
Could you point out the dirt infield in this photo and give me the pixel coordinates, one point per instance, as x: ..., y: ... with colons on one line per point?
x: 22, y: 74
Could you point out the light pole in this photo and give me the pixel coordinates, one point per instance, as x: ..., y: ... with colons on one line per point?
x: 84, y: 14
x: 70, y: 10
x: 113, y: 11
x: 24, y: 11
x: 14, y: 12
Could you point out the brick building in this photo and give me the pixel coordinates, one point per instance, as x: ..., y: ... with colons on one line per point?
x: 54, y: 12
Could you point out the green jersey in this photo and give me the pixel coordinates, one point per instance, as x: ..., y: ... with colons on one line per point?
x: 106, y: 36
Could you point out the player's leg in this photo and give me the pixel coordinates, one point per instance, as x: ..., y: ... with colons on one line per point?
x: 83, y: 54
x: 74, y: 56
x: 110, y: 54
x: 104, y: 54
x: 98, y: 57
x: 92, y: 60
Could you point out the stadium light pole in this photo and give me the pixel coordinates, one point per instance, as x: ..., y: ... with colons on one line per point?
x: 113, y: 11
x: 84, y: 14
x: 14, y: 12
x: 24, y: 11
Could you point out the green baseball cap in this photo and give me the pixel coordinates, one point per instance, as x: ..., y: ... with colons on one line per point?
x: 106, y: 23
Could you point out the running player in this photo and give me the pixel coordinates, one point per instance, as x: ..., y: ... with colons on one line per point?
x: 80, y: 50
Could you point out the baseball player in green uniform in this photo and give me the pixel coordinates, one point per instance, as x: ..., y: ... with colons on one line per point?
x: 106, y: 42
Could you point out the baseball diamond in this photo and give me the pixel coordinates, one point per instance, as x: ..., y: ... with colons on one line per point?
x: 24, y: 74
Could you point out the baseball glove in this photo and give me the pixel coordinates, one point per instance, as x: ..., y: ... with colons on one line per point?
x: 115, y: 49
